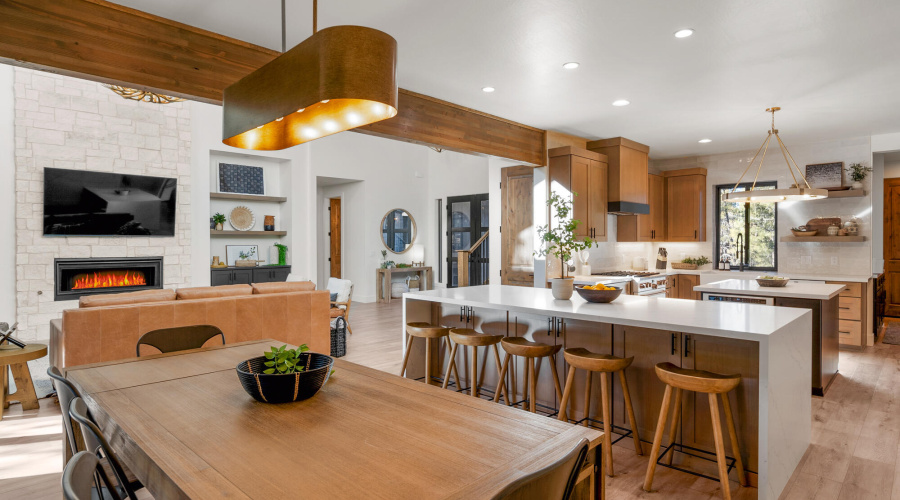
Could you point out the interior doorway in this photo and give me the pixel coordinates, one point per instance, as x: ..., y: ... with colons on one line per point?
x: 892, y: 247
x: 334, y: 236
x: 468, y: 219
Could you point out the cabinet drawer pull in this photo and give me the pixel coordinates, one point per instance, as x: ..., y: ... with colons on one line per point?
x: 674, y: 347
x: 687, y: 345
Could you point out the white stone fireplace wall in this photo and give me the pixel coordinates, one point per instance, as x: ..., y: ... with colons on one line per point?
x: 64, y: 122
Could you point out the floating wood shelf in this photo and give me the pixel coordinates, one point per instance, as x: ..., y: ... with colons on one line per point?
x: 246, y: 197
x: 213, y: 232
x: 847, y: 193
x: 823, y: 239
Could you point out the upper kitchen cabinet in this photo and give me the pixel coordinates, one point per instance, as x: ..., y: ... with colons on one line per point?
x: 583, y: 172
x: 646, y: 227
x: 686, y: 204
x: 628, y: 174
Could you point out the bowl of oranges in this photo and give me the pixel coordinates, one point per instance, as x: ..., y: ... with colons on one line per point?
x: 598, y: 293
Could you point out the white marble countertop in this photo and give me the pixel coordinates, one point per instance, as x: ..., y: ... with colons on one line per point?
x: 794, y: 289
x: 743, y: 321
x: 749, y: 275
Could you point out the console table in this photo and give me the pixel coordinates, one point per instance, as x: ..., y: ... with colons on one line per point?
x: 382, y: 276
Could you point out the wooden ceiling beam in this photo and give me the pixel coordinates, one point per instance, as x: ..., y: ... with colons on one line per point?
x: 108, y: 43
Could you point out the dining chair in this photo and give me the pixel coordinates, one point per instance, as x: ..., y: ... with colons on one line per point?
x: 66, y: 392
x: 554, y: 482
x: 79, y: 411
x: 179, y: 338
x: 340, y: 307
x: 79, y: 476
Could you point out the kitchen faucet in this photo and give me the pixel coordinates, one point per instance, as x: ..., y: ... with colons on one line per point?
x: 740, y: 251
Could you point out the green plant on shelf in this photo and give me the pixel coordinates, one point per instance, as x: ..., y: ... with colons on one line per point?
x: 282, y: 254
x: 219, y: 218
x: 699, y: 261
x: 858, y: 172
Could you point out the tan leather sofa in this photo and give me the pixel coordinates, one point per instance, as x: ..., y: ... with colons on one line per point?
x: 107, y: 327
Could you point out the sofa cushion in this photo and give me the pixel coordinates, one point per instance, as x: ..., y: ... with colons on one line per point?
x: 212, y: 292
x: 283, y: 287
x: 118, y: 299
x: 343, y: 289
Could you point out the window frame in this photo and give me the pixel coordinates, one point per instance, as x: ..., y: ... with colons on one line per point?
x: 717, y: 244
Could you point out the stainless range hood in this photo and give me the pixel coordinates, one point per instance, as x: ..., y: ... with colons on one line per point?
x: 629, y: 188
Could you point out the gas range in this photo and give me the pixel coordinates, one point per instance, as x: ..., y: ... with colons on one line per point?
x: 634, y: 274
x: 645, y: 282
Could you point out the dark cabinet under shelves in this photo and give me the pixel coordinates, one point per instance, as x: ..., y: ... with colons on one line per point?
x: 247, y: 275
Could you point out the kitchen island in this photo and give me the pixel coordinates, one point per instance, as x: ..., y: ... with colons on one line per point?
x: 820, y: 298
x: 768, y: 346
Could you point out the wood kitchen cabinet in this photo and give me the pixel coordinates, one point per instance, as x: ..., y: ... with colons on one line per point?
x: 646, y: 227
x: 854, y: 313
x: 686, y: 204
x: 681, y: 286
x: 628, y: 170
x: 583, y: 172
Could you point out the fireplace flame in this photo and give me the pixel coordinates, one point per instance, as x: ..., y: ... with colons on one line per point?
x: 109, y: 279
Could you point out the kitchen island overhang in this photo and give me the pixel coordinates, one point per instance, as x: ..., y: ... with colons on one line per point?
x: 781, y: 334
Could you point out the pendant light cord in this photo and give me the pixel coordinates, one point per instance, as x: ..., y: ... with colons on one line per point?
x: 315, y: 16
x: 283, y: 29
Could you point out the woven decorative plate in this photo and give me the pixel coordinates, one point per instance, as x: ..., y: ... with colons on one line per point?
x: 242, y: 219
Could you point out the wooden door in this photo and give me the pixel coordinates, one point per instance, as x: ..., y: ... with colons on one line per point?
x: 598, y: 199
x: 726, y: 356
x: 892, y: 247
x: 334, y: 233
x: 657, y: 217
x: 686, y: 214
x: 648, y: 347
x: 517, y: 226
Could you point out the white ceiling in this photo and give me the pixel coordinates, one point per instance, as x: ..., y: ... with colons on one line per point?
x: 832, y: 65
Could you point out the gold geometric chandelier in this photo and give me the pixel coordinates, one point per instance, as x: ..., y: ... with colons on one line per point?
x: 339, y: 78
x: 143, y: 95
x: 798, y: 192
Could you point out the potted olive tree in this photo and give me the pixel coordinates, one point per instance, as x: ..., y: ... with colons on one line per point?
x: 858, y: 173
x: 559, y: 240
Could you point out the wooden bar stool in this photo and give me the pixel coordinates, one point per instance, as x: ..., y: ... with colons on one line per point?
x: 591, y: 362
x: 16, y: 359
x: 712, y: 384
x: 518, y: 346
x: 430, y: 333
x: 468, y: 337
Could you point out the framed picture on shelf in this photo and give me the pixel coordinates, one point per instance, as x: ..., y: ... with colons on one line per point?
x: 825, y: 175
x: 241, y: 179
x: 234, y: 253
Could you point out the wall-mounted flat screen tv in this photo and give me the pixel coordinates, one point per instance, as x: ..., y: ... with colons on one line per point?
x: 80, y: 202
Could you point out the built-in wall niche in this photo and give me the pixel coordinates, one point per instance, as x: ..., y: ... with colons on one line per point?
x: 274, y: 201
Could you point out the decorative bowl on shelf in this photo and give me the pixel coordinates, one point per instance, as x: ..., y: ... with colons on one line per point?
x: 772, y: 281
x: 803, y: 231
x: 599, y: 296
x: 285, y: 388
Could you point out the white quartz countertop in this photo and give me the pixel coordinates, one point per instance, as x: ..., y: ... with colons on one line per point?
x: 794, y: 289
x: 715, y: 273
x: 743, y: 321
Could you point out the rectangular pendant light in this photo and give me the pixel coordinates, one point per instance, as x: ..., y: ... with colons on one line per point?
x: 340, y: 78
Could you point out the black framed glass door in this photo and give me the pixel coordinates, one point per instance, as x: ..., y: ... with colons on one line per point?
x: 468, y: 219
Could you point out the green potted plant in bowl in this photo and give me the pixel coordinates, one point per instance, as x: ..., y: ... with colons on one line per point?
x: 858, y: 173
x: 559, y: 240
x: 283, y: 375
x: 219, y: 221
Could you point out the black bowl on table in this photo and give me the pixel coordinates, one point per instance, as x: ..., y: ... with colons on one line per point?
x: 285, y: 388
x: 599, y: 296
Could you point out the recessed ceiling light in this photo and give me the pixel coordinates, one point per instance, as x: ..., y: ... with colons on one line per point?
x: 684, y: 33
x: 488, y: 89
x: 704, y: 141
x: 571, y: 65
x: 621, y: 102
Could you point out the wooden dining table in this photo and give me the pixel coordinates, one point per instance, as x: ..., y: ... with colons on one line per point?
x: 185, y: 427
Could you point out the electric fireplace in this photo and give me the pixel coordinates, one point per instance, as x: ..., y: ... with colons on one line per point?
x: 77, y: 277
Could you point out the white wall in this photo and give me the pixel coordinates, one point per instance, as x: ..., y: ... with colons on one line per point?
x: 891, y: 170
x: 7, y: 195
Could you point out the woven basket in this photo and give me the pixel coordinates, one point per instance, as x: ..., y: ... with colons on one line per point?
x: 682, y: 265
x: 278, y: 388
x: 339, y: 338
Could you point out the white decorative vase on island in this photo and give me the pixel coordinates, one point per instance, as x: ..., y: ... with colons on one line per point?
x: 562, y: 288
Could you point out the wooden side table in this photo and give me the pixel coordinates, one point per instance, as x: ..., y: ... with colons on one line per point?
x: 15, y: 358
x: 383, y: 280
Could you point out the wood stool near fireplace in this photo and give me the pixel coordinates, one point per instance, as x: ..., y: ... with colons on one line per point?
x: 712, y: 384
x: 16, y: 358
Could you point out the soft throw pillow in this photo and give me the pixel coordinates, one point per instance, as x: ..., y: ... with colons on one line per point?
x: 340, y: 287
x: 119, y: 299
x: 333, y: 297
x: 212, y: 292
x: 283, y: 287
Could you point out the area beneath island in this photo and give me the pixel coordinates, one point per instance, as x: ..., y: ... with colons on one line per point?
x: 768, y: 346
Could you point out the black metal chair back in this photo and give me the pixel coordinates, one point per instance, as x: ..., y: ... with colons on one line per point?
x: 66, y: 392
x: 79, y: 411
x: 179, y: 338
x: 554, y: 482
x: 79, y: 476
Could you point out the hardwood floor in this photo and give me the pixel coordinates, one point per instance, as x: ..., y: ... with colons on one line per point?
x: 853, y: 455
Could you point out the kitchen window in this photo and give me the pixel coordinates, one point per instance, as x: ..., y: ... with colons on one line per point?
x: 756, y: 223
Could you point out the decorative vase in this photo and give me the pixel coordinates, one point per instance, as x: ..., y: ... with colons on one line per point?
x: 562, y: 288
x: 833, y: 230
x: 856, y: 185
x: 269, y: 223
x: 218, y: 226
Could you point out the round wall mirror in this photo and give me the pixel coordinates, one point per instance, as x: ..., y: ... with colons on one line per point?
x: 398, y: 230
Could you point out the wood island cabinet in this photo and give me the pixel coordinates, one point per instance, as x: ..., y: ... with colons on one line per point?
x: 681, y: 286
x: 686, y: 204
x: 646, y: 227
x: 583, y: 172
